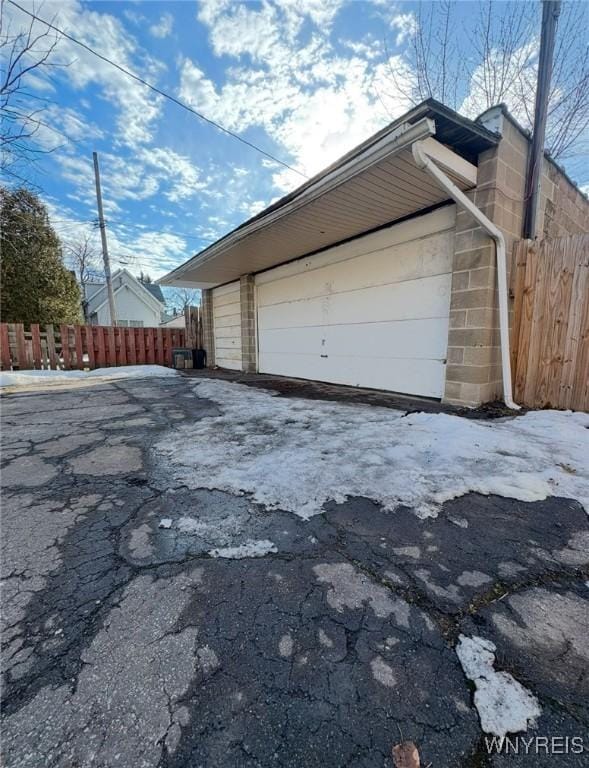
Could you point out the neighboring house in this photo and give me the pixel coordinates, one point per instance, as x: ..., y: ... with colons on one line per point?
x: 176, y: 321
x: 137, y: 304
x: 370, y: 274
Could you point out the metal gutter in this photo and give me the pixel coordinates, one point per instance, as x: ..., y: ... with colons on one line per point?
x: 425, y: 162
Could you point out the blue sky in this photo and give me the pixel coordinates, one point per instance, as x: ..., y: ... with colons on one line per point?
x: 306, y: 80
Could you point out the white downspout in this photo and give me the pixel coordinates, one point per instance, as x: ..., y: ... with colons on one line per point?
x: 423, y: 161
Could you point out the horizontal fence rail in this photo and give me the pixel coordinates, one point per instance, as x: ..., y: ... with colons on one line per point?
x: 85, y: 347
x: 550, y: 336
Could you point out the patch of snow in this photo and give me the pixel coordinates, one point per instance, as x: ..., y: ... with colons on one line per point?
x: 473, y: 579
x: 413, y: 552
x: 382, y: 672
x: 285, y: 646
x: 251, y: 548
x: 351, y: 589
x: 207, y: 659
x: 296, y: 454
x: 42, y: 378
x: 165, y: 522
x: 503, y: 704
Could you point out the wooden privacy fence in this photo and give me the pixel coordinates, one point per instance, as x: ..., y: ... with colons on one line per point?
x: 85, y: 346
x: 193, y: 324
x: 550, y: 338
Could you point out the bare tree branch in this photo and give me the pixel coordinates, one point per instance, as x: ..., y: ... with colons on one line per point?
x: 23, y: 52
x: 81, y: 256
x: 494, y: 60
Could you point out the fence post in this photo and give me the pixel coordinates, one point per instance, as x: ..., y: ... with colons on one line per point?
x: 65, y: 347
x: 36, y: 346
x: 89, y: 336
x: 51, y: 351
x: 79, y: 348
x: 21, y: 347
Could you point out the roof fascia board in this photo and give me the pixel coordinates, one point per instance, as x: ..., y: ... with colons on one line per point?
x: 402, y: 137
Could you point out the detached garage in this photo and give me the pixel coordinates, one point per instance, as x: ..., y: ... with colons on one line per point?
x: 364, y: 275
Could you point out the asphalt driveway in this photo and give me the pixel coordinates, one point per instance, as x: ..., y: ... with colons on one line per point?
x: 152, y: 621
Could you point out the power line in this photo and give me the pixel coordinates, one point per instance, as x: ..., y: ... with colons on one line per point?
x: 157, y: 90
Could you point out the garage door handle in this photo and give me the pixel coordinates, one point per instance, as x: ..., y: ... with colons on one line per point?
x: 324, y: 355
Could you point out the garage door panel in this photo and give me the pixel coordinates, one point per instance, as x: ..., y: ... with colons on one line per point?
x: 441, y: 220
x: 424, y: 298
x: 227, y: 326
x: 381, y: 340
x: 227, y: 298
x: 228, y: 321
x: 424, y: 378
x: 407, y: 261
x: 378, y: 319
x: 227, y: 310
x: 229, y: 350
x: 228, y: 332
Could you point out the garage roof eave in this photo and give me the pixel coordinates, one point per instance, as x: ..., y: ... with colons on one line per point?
x: 364, y: 191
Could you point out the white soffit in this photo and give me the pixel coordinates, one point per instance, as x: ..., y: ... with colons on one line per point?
x: 378, y: 186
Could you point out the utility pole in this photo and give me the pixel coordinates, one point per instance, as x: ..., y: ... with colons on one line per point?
x: 550, y: 14
x: 105, y: 258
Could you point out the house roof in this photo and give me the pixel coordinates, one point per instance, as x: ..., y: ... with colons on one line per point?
x: 99, y: 297
x: 155, y: 291
x: 375, y: 184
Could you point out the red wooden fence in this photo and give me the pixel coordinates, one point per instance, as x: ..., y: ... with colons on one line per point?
x: 85, y: 346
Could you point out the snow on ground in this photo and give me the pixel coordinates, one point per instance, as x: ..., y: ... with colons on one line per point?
x: 296, y: 454
x: 251, y: 548
x: 503, y: 704
x: 42, y: 378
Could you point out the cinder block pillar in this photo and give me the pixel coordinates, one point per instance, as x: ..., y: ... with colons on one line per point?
x: 473, y: 371
x: 208, y: 337
x: 248, y: 324
x: 473, y: 339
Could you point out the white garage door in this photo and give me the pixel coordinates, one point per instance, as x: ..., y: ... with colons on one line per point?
x: 227, y: 326
x: 372, y: 313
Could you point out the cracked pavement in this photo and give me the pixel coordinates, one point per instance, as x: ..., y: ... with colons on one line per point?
x: 128, y: 639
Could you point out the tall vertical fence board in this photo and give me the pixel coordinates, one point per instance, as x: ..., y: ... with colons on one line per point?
x: 550, y: 334
x: 36, y: 346
x: 85, y: 346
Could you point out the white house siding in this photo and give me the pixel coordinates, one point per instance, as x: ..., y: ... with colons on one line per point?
x: 373, y: 312
x: 227, y: 325
x: 130, y: 307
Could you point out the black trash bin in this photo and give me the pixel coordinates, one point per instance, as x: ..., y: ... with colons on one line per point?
x: 199, y: 358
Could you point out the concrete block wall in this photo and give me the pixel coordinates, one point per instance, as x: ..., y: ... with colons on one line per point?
x: 248, y: 324
x: 473, y: 371
x: 564, y: 209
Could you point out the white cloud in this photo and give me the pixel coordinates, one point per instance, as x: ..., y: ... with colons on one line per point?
x: 164, y: 26
x: 519, y: 78
x: 137, y: 108
x: 406, y: 26
x: 147, y: 172
x: 314, y: 102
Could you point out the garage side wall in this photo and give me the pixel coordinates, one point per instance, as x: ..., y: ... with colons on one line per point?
x: 473, y: 374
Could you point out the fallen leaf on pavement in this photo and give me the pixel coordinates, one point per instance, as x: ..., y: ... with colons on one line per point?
x: 405, y: 755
